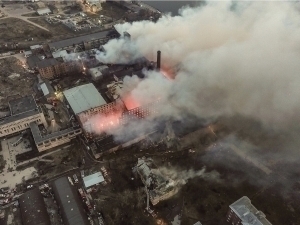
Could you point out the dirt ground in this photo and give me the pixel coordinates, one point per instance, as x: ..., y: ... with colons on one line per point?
x: 20, y: 30
x: 58, y: 31
x: 14, y: 80
x: 112, y: 10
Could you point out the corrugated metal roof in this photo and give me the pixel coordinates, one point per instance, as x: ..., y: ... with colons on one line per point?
x: 93, y: 179
x: 78, y: 40
x: 44, y: 89
x: 83, y: 98
x: 71, y: 206
x: 43, y: 11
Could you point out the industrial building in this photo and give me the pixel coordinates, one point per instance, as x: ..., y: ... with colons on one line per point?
x: 47, y: 141
x: 140, y: 112
x: 158, y: 186
x: 85, y: 42
x: 69, y: 203
x: 133, y: 109
x: 93, y: 179
x: 47, y: 89
x: 33, y: 209
x: 52, y: 68
x: 85, y: 107
x: 24, y: 111
x: 97, y: 73
x: 84, y: 98
x: 243, y: 212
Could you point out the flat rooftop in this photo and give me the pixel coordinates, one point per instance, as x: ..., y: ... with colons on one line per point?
x: 93, y: 179
x: 20, y: 116
x: 33, y: 209
x: 21, y: 105
x: 38, y: 138
x: 84, y: 97
x: 47, y: 62
x: 70, y: 204
x: 78, y: 40
x: 248, y: 213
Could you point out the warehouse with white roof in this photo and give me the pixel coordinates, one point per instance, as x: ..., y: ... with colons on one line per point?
x: 86, y: 102
x: 84, y: 98
x: 93, y: 179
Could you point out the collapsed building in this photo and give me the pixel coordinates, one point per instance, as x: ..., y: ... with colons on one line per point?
x: 158, y: 186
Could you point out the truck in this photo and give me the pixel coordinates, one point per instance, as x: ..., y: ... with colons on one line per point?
x: 75, y: 179
x: 70, y: 180
x: 82, y: 173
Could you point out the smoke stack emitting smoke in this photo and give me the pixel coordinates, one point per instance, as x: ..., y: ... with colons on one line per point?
x: 227, y: 61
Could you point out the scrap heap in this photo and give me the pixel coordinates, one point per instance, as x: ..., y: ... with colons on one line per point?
x: 159, y: 186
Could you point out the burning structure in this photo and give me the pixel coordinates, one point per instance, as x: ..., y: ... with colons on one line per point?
x: 158, y: 186
x: 94, y: 113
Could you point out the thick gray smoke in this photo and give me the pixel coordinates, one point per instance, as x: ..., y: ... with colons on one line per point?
x: 181, y: 177
x: 241, y: 58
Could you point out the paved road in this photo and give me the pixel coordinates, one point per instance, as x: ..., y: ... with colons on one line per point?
x: 15, y: 55
x: 11, y: 13
x: 41, y: 157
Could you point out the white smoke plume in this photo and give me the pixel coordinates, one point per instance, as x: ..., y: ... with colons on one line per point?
x: 181, y: 177
x: 226, y: 58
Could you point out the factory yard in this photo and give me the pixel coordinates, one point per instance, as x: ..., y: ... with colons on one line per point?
x: 78, y: 146
x: 122, y: 200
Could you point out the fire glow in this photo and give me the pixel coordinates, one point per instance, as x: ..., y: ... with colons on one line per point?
x: 168, y: 73
x: 130, y: 102
x: 103, y: 123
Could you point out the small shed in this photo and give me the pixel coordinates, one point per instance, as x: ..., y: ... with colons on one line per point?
x: 44, y: 11
x: 93, y: 179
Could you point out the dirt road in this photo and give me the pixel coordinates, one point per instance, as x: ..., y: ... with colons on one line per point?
x: 16, y: 11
